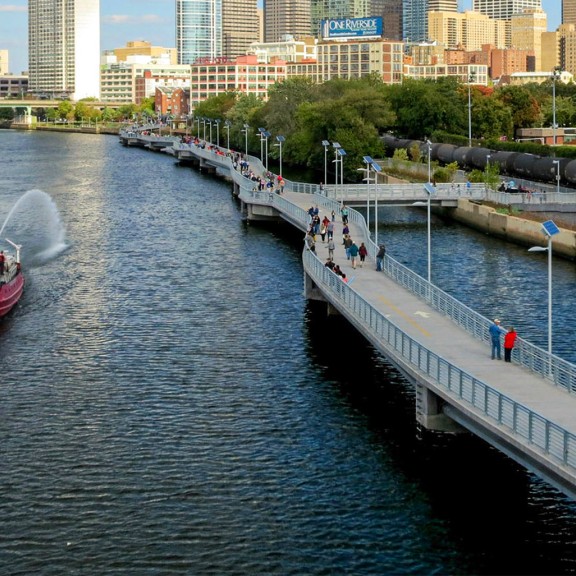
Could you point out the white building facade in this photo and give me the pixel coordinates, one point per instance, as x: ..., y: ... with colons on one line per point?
x: 64, y: 47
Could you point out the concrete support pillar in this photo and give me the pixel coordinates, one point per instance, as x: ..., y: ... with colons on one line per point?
x: 429, y: 412
x: 311, y: 291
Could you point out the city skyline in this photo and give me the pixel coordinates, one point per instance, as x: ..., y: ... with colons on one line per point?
x: 126, y: 20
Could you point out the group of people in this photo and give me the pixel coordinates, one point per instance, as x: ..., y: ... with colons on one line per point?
x: 510, y: 335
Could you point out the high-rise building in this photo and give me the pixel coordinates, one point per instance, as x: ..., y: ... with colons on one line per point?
x: 469, y: 30
x: 215, y: 28
x: 64, y: 47
x: 415, y: 17
x: 283, y: 17
x: 526, y: 32
x: 143, y: 48
x: 568, y: 11
x: 503, y: 9
x: 391, y: 13
x: 338, y: 10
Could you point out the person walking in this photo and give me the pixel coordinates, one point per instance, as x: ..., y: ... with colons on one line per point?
x: 310, y: 243
x: 330, y: 229
x: 363, y: 252
x: 344, y: 213
x: 509, y: 341
x: 353, y: 251
x: 331, y: 247
x: 345, y: 232
x: 380, y: 257
x: 495, y: 331
x: 347, y: 244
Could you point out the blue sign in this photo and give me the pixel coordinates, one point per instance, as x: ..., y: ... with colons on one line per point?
x: 352, y: 28
x: 550, y: 228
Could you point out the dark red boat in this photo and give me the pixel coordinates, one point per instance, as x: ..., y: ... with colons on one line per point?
x: 11, y: 280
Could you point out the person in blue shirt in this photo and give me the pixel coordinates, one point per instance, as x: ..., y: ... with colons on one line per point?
x: 495, y: 331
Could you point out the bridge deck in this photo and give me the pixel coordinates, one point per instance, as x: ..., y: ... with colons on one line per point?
x: 437, y: 332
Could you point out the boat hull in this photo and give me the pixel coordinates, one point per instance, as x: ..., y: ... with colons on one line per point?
x: 10, y: 293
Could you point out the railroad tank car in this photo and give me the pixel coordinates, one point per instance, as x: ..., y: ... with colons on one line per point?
x: 389, y: 142
x: 446, y: 153
x: 504, y: 159
x: 462, y: 155
x: 545, y: 169
x: 477, y: 158
x: 570, y: 172
x: 524, y: 165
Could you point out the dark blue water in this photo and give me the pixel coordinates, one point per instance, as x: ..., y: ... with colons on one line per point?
x: 171, y: 404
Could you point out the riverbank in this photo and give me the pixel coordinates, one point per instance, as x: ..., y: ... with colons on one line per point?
x: 517, y: 229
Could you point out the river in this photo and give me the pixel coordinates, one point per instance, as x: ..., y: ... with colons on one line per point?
x: 171, y: 404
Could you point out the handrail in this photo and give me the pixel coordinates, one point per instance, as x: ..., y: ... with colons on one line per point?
x: 556, y: 370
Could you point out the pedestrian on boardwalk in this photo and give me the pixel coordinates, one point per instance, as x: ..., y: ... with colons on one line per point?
x: 347, y: 244
x: 509, y: 341
x: 380, y: 257
x: 353, y: 252
x: 363, y: 252
x: 344, y: 213
x: 495, y: 331
x: 333, y: 216
x: 345, y: 232
x: 330, y: 229
x: 323, y: 232
x: 331, y: 247
x: 310, y: 243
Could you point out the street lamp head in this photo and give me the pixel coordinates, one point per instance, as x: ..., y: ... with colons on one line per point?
x: 538, y: 249
x: 325, y: 143
x: 280, y: 138
x: 336, y: 145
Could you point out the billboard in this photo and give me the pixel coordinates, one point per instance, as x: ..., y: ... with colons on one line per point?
x: 352, y: 28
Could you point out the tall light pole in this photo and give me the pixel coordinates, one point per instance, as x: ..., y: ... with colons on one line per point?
x: 280, y: 139
x: 217, y: 122
x: 227, y: 125
x: 266, y: 136
x: 198, y: 133
x: 260, y: 135
x: 555, y: 75
x: 210, y: 124
x: 341, y: 152
x: 245, y: 130
x: 368, y: 161
x: 429, y: 144
x: 429, y: 190
x: 336, y: 146
x: 326, y: 145
x: 471, y: 78
x: 550, y: 229
x: 557, y: 162
x: 204, y: 124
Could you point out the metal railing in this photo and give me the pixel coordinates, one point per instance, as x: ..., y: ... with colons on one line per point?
x: 549, y: 438
x: 556, y: 370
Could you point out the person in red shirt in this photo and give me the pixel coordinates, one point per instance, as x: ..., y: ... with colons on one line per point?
x: 2, y: 260
x: 509, y: 340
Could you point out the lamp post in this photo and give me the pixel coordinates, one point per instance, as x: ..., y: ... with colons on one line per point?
x: 550, y: 229
x: 198, y: 133
x: 368, y: 161
x: 280, y: 139
x: 555, y: 75
x: 204, y: 124
x: 210, y: 124
x: 341, y: 152
x: 557, y: 162
x: 471, y: 79
x: 266, y: 136
x: 245, y: 130
x: 429, y: 190
x: 227, y: 124
x: 260, y: 135
x: 217, y: 122
x: 336, y: 146
x: 429, y: 144
x: 326, y: 145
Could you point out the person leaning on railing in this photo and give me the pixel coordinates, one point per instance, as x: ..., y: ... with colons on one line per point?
x: 380, y: 257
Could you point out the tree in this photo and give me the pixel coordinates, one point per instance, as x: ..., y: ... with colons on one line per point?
x: 524, y: 107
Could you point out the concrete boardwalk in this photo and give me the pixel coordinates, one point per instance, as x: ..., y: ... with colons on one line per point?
x: 439, y: 334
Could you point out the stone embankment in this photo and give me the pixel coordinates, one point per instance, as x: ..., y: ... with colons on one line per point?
x: 512, y: 228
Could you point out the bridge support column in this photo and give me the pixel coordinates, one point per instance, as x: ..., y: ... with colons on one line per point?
x: 311, y: 290
x: 429, y: 412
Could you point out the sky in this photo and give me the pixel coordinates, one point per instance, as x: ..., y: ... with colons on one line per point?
x: 124, y: 20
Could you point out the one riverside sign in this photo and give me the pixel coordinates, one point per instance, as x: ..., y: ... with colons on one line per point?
x: 352, y: 28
